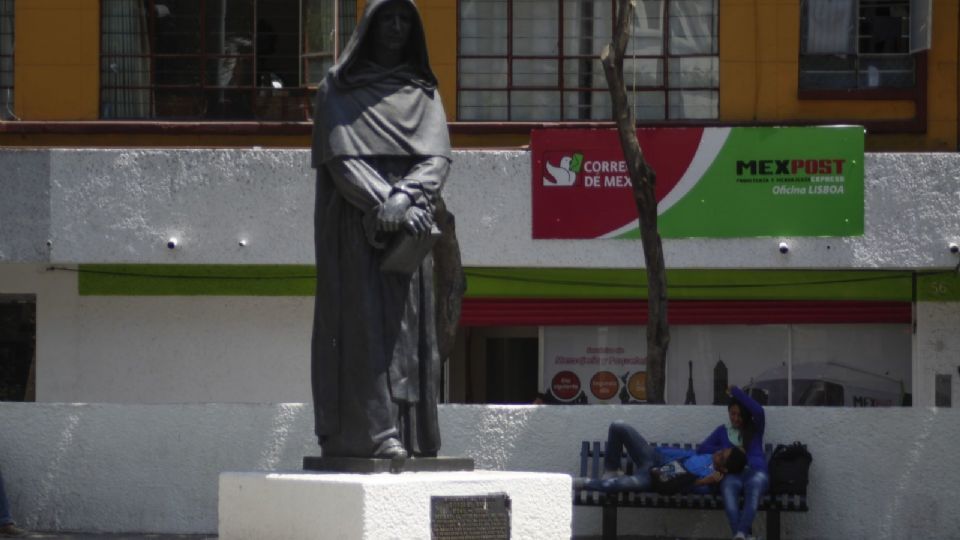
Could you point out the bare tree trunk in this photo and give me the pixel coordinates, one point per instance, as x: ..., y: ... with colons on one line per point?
x: 643, y: 179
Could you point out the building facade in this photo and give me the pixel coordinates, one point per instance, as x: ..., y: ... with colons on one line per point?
x: 156, y: 287
x: 890, y: 66
x: 171, y: 80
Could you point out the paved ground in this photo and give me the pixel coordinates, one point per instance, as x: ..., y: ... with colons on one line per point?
x: 103, y: 536
x: 121, y: 536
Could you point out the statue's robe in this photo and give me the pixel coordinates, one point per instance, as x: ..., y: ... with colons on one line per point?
x: 375, y: 368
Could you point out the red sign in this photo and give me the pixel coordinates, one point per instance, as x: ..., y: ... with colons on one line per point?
x: 565, y: 385
x: 604, y: 385
x: 581, y: 186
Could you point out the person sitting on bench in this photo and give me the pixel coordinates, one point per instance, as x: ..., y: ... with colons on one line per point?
x: 653, y: 467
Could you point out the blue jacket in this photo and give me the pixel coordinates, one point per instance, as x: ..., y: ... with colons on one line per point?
x: 718, y: 440
x: 668, y: 454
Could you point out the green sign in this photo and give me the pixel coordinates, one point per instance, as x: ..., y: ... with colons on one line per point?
x: 711, y: 182
x: 777, y: 182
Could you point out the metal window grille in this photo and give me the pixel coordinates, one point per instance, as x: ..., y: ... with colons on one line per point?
x: 538, y: 60
x: 6, y: 60
x: 876, y: 50
x: 216, y: 59
x: 328, y: 26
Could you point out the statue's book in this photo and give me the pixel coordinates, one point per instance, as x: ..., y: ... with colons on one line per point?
x: 406, y: 251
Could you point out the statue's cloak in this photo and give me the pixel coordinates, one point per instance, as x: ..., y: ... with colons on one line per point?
x: 363, y: 109
x: 374, y: 351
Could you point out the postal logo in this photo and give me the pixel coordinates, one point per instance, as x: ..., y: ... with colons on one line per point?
x: 564, y: 173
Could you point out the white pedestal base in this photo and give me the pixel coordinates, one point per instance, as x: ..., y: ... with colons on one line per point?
x: 293, y: 506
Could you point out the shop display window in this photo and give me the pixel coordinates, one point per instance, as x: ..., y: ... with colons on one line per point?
x: 843, y: 365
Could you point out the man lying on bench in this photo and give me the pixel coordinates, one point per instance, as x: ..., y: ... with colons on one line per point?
x: 664, y: 470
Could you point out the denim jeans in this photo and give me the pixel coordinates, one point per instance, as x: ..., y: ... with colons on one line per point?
x: 4, y: 505
x: 752, y: 484
x: 622, y: 436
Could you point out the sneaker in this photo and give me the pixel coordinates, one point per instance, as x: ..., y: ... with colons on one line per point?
x: 11, y: 531
x: 740, y: 536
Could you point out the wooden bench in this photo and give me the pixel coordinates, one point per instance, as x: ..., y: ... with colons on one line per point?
x: 591, y: 466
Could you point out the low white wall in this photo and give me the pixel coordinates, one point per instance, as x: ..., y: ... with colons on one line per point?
x: 877, y: 473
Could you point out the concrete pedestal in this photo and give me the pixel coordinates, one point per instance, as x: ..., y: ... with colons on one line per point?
x: 298, y: 506
x: 351, y: 465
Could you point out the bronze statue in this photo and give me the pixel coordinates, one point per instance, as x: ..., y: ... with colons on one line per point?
x: 382, y: 153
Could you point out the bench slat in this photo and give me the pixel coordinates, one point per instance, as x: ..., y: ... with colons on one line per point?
x: 584, y: 455
x: 597, y: 454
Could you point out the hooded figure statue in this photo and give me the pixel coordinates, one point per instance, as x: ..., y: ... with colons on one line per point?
x: 382, y: 153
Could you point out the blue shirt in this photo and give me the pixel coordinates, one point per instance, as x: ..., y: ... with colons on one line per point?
x: 700, y: 465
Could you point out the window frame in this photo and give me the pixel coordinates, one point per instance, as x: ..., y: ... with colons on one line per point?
x: 295, y: 109
x: 340, y: 17
x: 8, y: 92
x: 908, y: 93
x: 665, y: 57
x: 863, y: 93
x: 917, y: 94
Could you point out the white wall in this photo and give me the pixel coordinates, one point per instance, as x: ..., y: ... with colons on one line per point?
x: 171, y: 349
x: 166, y: 349
x: 936, y: 350
x: 123, y: 205
x: 877, y: 474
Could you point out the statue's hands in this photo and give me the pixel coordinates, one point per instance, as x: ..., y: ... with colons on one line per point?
x: 393, y: 212
x: 418, y: 221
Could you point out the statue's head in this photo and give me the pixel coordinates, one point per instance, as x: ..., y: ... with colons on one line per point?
x: 390, y: 33
x: 392, y: 25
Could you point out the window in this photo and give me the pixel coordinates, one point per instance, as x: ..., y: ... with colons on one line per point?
x: 327, y: 28
x: 861, y: 44
x: 842, y: 365
x: 6, y: 60
x: 512, y: 370
x: 18, y: 330
x: 217, y: 59
x: 494, y: 364
x: 538, y: 60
